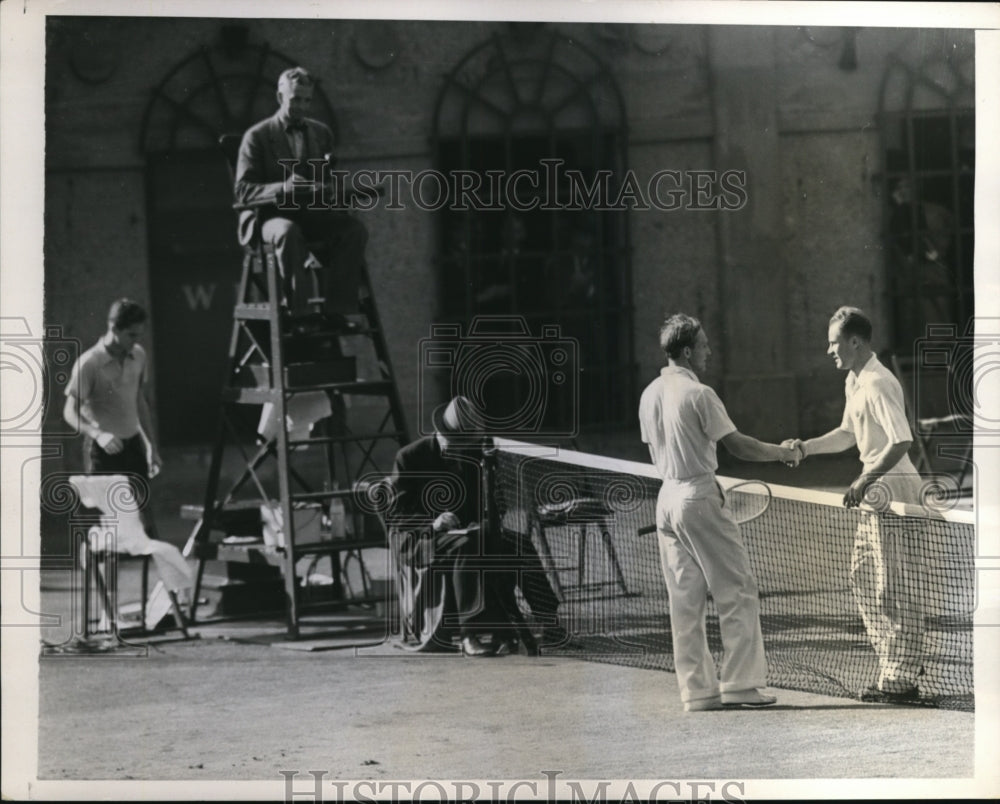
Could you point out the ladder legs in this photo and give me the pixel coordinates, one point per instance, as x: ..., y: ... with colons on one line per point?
x: 305, y: 468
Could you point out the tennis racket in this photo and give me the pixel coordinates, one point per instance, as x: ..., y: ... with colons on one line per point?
x: 750, y: 502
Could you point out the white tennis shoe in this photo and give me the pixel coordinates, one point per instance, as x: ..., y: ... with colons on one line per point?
x: 748, y: 698
x: 703, y: 704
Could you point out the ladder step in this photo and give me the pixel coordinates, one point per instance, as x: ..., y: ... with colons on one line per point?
x: 340, y: 546
x: 252, y: 311
x: 250, y: 396
x: 250, y: 554
x: 267, y: 554
x: 395, y: 435
x: 245, y: 508
x: 235, y: 518
x: 258, y: 396
x: 356, y: 388
x: 326, y: 494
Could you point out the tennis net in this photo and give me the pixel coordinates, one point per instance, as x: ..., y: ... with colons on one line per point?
x: 592, y: 520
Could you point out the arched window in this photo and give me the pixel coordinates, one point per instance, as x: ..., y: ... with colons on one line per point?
x: 535, y: 122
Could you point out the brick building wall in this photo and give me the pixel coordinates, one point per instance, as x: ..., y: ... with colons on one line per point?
x: 812, y: 226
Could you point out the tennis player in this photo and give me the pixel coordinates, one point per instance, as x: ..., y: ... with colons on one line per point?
x: 884, y: 579
x: 701, y: 550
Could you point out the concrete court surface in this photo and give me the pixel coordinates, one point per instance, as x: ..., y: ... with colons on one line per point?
x: 240, y: 704
x: 213, y: 709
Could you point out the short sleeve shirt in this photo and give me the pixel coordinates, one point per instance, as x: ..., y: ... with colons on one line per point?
x: 874, y: 412
x: 108, y: 388
x: 682, y: 420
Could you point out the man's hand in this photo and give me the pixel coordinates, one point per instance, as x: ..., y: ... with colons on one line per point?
x: 797, y: 452
x: 446, y: 521
x: 297, y: 190
x: 110, y: 443
x: 856, y: 493
x: 155, y: 463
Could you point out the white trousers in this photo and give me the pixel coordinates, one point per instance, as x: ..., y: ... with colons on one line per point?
x: 701, y: 551
x: 887, y: 581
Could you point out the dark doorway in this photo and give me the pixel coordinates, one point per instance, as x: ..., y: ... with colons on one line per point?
x: 539, y: 251
x: 195, y: 261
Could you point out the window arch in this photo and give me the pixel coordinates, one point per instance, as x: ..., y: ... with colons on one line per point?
x: 218, y: 90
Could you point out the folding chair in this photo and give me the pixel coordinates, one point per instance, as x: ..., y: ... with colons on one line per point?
x: 120, y: 530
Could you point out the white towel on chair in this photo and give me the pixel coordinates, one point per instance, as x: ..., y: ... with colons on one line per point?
x: 121, y: 530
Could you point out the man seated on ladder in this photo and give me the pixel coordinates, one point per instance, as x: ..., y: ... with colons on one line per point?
x: 438, y: 526
x: 293, y: 211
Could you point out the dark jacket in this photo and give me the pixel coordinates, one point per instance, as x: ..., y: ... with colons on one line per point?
x: 259, y: 174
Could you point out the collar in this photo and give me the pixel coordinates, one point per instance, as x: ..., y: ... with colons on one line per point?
x: 105, y: 353
x: 870, y: 365
x: 685, y: 372
x: 868, y: 369
x: 290, y: 125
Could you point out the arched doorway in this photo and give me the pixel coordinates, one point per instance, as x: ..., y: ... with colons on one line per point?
x: 536, y: 102
x: 194, y: 255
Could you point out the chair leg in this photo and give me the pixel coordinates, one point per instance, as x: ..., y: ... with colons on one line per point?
x: 547, y: 562
x: 145, y: 591
x: 86, y: 559
x: 105, y: 598
x: 613, y: 555
x: 178, y: 614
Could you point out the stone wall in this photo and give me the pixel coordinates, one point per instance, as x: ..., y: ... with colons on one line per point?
x: 823, y: 228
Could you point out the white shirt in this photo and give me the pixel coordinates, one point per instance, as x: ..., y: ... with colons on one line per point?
x: 875, y: 415
x: 874, y: 412
x: 682, y: 420
x: 108, y: 388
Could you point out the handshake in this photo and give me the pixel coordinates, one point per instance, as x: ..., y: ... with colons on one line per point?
x: 798, y: 451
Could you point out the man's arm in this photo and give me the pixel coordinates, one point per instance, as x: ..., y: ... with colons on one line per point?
x: 146, y: 428
x: 748, y: 448
x: 893, y: 454
x: 72, y: 415
x: 262, y: 179
x: 254, y: 168
x: 406, y: 510
x: 836, y: 440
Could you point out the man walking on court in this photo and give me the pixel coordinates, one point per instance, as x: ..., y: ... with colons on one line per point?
x: 106, y: 401
x: 884, y: 576
x: 701, y: 550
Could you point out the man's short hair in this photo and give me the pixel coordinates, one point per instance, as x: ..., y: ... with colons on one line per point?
x: 853, y: 321
x: 678, y: 331
x: 294, y: 76
x: 125, y: 313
